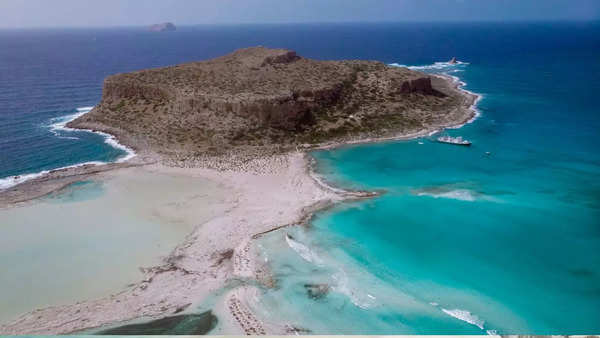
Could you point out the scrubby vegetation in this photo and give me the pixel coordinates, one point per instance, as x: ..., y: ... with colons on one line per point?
x: 269, y: 100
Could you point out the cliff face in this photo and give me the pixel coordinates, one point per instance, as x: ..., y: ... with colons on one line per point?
x: 268, y: 98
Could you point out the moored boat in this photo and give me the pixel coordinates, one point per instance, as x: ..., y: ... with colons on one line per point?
x: 459, y: 141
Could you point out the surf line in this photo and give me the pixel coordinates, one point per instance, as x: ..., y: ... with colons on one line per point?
x: 60, y: 125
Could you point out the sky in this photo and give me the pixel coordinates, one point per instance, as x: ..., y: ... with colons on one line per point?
x: 94, y: 13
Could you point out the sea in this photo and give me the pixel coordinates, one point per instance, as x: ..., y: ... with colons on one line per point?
x: 497, y: 238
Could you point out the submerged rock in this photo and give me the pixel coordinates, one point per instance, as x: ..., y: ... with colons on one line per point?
x: 316, y: 291
x: 192, y: 324
x: 295, y: 330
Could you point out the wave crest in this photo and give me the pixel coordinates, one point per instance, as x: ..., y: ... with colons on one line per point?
x: 434, y: 66
x: 305, y: 252
x: 458, y: 194
x: 57, y: 126
x: 446, y: 69
x: 361, y: 300
x: 11, y: 181
x: 465, y: 316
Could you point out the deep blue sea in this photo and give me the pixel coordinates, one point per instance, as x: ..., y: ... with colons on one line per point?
x: 503, y: 236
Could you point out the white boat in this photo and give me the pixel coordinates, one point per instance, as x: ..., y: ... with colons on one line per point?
x: 454, y: 140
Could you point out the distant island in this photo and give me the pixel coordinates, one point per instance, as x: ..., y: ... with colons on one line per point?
x: 163, y: 27
x: 260, y: 101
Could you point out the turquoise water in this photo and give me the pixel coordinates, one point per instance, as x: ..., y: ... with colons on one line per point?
x: 463, y: 242
x: 508, y: 241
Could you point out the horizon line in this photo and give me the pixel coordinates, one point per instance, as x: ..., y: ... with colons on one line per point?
x: 306, y: 23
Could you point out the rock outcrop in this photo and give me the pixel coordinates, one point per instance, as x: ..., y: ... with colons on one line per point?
x: 259, y: 98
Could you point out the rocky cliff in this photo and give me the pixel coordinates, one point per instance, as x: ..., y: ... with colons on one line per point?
x: 269, y: 100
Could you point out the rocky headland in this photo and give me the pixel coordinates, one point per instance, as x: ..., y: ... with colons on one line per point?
x: 260, y: 101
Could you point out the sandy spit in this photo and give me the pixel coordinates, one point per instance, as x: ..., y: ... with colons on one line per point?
x: 282, y: 192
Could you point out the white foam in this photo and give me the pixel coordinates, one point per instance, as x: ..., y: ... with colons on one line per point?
x: 436, y: 65
x: 108, y: 139
x: 342, y: 286
x: 11, y: 181
x: 57, y: 125
x: 465, y: 316
x: 112, y: 141
x: 448, y: 68
x: 457, y: 194
x: 305, y: 252
x: 60, y: 124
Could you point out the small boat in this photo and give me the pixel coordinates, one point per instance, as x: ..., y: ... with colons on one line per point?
x: 454, y: 140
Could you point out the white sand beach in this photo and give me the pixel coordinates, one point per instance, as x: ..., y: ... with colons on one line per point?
x: 223, y: 211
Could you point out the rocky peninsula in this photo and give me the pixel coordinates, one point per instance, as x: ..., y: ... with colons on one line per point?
x: 260, y: 101
x: 244, y: 121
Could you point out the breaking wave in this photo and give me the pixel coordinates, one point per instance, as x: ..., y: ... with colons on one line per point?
x: 458, y: 194
x: 342, y: 283
x: 58, y: 126
x: 434, y: 66
x: 465, y: 316
x: 305, y: 252
x: 11, y: 181
x: 446, y: 69
x: 363, y: 301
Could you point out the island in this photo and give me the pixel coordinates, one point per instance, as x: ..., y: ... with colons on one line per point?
x: 245, y: 121
x: 163, y: 27
x: 260, y: 101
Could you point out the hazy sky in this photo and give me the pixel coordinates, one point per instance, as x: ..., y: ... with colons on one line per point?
x: 47, y: 13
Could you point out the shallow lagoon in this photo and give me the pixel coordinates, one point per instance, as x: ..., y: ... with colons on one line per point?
x: 89, y: 240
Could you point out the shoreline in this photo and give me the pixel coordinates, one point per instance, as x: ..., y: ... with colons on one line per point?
x: 198, y: 268
x: 9, y: 182
x: 195, y: 267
